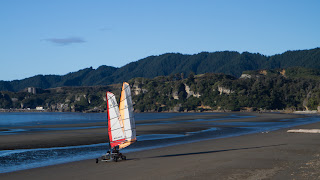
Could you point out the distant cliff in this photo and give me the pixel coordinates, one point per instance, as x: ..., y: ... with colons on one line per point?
x: 288, y: 89
x: 227, y: 62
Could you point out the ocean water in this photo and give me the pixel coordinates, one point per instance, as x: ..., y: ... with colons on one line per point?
x: 48, y: 118
x: 29, y: 122
x: 14, y: 160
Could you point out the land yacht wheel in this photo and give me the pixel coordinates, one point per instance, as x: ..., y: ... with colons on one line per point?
x: 116, y: 159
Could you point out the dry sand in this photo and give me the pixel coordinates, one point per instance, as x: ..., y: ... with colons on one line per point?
x: 273, y: 155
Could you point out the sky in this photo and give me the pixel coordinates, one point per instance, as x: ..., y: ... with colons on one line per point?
x: 62, y: 36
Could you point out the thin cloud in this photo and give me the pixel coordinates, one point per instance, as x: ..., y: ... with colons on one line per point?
x: 66, y: 41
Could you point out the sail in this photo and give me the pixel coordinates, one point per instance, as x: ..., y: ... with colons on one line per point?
x: 115, y: 130
x: 126, y: 113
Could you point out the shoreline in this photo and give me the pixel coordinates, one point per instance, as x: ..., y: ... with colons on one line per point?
x: 61, y: 138
x: 193, y: 111
x: 275, y: 155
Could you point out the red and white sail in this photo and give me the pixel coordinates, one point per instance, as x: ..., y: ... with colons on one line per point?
x: 115, y: 129
x: 121, y: 124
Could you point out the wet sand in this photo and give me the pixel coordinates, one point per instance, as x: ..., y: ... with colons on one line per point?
x: 272, y: 155
x: 61, y: 138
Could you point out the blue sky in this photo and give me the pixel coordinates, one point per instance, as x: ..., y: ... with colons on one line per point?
x: 61, y: 36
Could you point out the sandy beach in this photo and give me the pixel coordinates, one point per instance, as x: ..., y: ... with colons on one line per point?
x: 267, y: 155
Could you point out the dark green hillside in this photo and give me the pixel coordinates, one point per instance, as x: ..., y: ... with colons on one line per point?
x: 6, y: 86
x: 303, y: 58
x: 298, y: 72
x: 84, y: 77
x: 227, y: 62
x: 36, y: 81
x: 100, y: 76
x: 151, y: 66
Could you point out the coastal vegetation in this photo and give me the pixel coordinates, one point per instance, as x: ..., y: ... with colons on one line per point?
x: 293, y: 88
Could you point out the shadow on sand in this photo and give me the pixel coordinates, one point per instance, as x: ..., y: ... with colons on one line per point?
x: 216, y: 151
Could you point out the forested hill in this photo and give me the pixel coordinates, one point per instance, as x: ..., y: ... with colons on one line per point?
x: 227, y: 62
x: 283, y: 89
